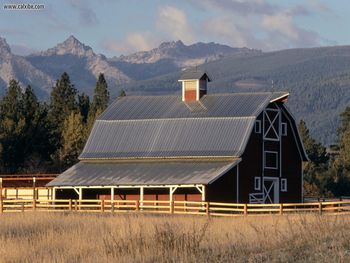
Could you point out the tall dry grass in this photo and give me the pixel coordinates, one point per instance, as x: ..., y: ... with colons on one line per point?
x: 72, y: 237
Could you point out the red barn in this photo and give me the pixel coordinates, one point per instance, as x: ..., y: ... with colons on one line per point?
x: 236, y: 147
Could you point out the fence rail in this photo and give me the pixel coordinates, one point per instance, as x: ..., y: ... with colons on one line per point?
x: 171, y: 207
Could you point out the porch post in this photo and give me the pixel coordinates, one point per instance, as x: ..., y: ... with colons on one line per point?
x: 53, y: 196
x: 203, y: 193
x: 170, y: 193
x: 80, y: 193
x: 0, y: 187
x: 112, y: 194
x: 141, y: 195
x: 34, y: 194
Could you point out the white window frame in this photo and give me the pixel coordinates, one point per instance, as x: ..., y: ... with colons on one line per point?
x: 284, y: 186
x: 257, y: 183
x: 257, y: 124
x: 267, y: 167
x: 284, y: 129
x: 270, y: 124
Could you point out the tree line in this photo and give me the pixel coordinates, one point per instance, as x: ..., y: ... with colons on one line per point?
x: 47, y: 136
x: 327, y: 173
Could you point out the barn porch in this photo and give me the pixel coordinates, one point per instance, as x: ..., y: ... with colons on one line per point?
x: 127, y: 192
x: 22, y: 186
x: 185, y: 180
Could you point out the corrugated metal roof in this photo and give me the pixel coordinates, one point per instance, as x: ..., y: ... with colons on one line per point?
x: 214, y: 105
x: 143, y: 173
x: 168, y: 138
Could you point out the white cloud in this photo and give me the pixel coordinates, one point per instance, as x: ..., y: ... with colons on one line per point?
x: 136, y: 41
x: 257, y: 24
x: 226, y: 31
x: 173, y: 22
x: 281, y: 23
x: 241, y: 7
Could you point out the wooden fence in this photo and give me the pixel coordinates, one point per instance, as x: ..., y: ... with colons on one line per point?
x: 171, y: 207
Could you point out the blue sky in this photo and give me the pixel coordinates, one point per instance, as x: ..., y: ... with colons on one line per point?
x: 125, y: 26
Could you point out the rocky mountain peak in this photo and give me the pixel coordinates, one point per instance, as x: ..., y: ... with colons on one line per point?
x: 172, y: 44
x: 4, y: 47
x: 70, y: 46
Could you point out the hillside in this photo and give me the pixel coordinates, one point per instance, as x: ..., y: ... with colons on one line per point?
x: 317, y: 78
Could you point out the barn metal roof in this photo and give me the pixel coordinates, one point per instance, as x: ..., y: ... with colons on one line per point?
x: 213, y: 105
x: 143, y: 173
x: 161, y: 138
x: 167, y: 127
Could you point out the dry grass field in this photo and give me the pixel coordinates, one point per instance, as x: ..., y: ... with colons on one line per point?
x: 74, y: 237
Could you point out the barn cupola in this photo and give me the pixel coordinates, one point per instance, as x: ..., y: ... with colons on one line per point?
x: 194, y: 85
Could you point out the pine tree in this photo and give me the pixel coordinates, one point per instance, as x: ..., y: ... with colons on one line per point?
x: 12, y: 127
x: 315, y: 151
x: 36, y: 147
x: 314, y: 170
x: 84, y: 106
x: 73, y: 139
x: 101, y: 95
x: 342, y: 161
x: 62, y: 103
x: 122, y: 93
x: 99, y: 102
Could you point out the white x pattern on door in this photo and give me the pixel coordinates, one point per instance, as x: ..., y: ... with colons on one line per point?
x: 267, y: 192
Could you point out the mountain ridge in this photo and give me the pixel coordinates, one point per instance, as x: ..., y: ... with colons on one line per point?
x: 317, y: 78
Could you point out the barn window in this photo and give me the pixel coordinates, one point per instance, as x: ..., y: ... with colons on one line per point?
x: 271, y: 125
x: 284, y: 185
x: 257, y: 126
x: 271, y: 160
x: 257, y: 183
x: 284, y: 129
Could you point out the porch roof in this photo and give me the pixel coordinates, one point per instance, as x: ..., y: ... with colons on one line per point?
x: 135, y: 173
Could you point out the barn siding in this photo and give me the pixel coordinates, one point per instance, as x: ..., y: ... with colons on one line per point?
x: 291, y: 167
x: 190, y: 95
x: 224, y: 188
x: 250, y: 166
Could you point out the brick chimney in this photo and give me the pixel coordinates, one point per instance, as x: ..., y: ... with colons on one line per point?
x: 194, y: 85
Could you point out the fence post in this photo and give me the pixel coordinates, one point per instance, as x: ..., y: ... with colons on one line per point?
x: 320, y: 208
x: 207, y: 208
x: 137, y: 205
x: 245, y: 209
x: 70, y: 205
x: 112, y: 205
x: 75, y: 205
x: 1, y: 203
x: 281, y: 209
x: 171, y: 206
x: 34, y: 204
x: 102, y: 205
